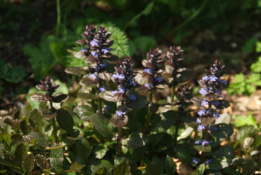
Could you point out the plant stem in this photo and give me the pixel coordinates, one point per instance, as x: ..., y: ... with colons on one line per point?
x: 147, y: 128
x: 54, y: 131
x: 58, y: 17
x: 119, y: 140
x: 176, y: 134
x: 53, y: 122
x: 172, y: 94
x: 100, y: 105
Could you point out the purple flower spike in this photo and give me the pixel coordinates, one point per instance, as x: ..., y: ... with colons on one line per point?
x: 84, y: 49
x: 201, y: 112
x: 148, y: 71
x: 102, y: 88
x: 213, y: 78
x: 216, y: 115
x: 132, y: 97
x: 197, y: 142
x: 158, y: 79
x: 94, y: 43
x: 205, y: 78
x: 106, y: 50
x: 196, y: 160
x: 205, y: 143
x: 93, y: 76
x: 208, y: 161
x: 94, y: 53
x: 203, y: 91
x: 214, y: 128
x: 121, y: 90
x: 215, y: 103
x: 114, y: 92
x: 118, y: 76
x: 223, y: 82
x: 120, y: 113
x: 201, y: 127
x: 198, y: 120
x: 148, y: 85
x: 204, y: 102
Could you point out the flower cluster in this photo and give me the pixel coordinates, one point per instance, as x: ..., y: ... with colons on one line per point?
x: 173, y: 66
x: 47, y: 85
x: 124, y: 78
x: 153, y: 65
x: 211, y: 88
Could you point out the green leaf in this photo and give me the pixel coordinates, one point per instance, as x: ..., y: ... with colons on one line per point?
x: 253, y: 78
x: 28, y: 163
x: 65, y: 121
x: 136, y: 140
x: 84, y: 112
x: 202, y: 148
x: 42, y: 140
x: 256, y: 67
x: 155, y: 167
x: 76, y: 167
x: 56, y: 159
x: 201, y: 169
x: 246, y: 120
x: 258, y: 44
x: 224, y: 131
x: 101, y: 124
x: 96, y: 166
x: 100, y: 151
x: 243, y: 132
x: 186, y: 133
x: 170, y: 166
x: 20, y: 152
x: 122, y: 169
x: 83, y: 149
x: 35, y: 119
x: 42, y: 161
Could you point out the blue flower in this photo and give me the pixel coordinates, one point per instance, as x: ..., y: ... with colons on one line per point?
x: 120, y: 113
x: 215, y: 103
x: 158, y: 79
x: 148, y: 71
x: 94, y: 43
x: 201, y: 127
x: 84, y: 49
x: 196, y: 160
x: 102, y: 88
x: 214, y: 128
x: 132, y: 83
x: 198, y: 120
x: 205, y: 142
x: 148, y: 85
x: 201, y: 112
x: 204, y: 102
x: 213, y: 78
x: 121, y: 90
x: 94, y: 53
x: 205, y: 78
x: 215, y: 114
x: 203, y: 91
x: 132, y: 97
x: 93, y: 76
x: 197, y: 142
x: 223, y: 82
x: 106, y: 50
x: 114, y: 92
x: 208, y: 161
x: 118, y: 76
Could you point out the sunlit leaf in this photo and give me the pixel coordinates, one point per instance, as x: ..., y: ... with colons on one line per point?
x: 76, y: 70
x: 76, y: 167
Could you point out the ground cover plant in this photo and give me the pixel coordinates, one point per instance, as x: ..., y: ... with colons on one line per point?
x: 120, y: 96
x: 115, y: 123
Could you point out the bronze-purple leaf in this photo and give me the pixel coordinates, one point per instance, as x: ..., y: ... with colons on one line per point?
x: 59, y: 98
x: 105, y: 76
x: 37, y: 97
x: 82, y: 41
x: 79, y: 55
x: 87, y: 82
x: 119, y: 121
x: 75, y: 70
